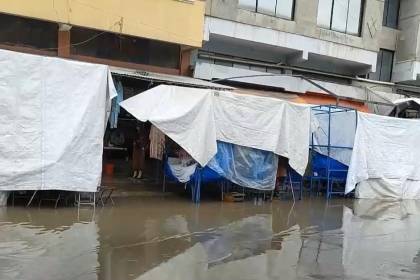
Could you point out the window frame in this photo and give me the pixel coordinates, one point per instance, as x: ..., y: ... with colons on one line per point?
x: 384, y: 17
x: 361, y: 18
x: 292, y: 14
x: 379, y: 64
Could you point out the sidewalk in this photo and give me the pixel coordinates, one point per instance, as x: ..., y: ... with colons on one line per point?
x: 129, y: 187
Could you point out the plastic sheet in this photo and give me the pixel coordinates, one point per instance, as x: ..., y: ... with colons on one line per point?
x: 245, y: 166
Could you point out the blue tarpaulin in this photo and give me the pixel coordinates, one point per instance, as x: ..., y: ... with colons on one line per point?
x: 246, y: 167
x: 337, y: 169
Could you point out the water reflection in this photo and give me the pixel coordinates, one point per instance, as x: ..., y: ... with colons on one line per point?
x: 46, y: 245
x: 382, y: 239
x: 173, y: 239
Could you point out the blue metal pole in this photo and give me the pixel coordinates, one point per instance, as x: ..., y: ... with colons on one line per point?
x: 329, y: 152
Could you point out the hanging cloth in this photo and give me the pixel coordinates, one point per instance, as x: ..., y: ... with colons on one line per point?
x: 115, y: 109
x: 157, y: 143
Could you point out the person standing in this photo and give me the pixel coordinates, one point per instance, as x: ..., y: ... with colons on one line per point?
x: 140, y: 145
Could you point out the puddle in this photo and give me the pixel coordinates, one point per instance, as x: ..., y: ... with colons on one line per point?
x: 171, y: 238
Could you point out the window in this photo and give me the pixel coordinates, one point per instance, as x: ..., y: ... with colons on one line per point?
x: 278, y: 8
x: 341, y: 15
x: 26, y: 32
x: 124, y: 48
x: 391, y: 10
x: 267, y: 7
x: 383, y: 66
x: 250, y: 5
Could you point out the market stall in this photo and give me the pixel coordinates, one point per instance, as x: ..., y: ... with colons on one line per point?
x: 196, y: 119
x: 332, y: 137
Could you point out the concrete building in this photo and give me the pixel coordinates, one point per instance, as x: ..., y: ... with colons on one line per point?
x: 359, y: 50
x: 407, y: 60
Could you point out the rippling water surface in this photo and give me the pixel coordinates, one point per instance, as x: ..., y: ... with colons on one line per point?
x: 170, y: 238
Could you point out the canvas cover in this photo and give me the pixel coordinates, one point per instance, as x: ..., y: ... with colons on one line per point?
x: 53, y: 117
x: 385, y: 160
x: 197, y: 118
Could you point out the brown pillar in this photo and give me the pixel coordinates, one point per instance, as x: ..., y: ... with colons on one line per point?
x: 63, y: 43
x: 184, y: 67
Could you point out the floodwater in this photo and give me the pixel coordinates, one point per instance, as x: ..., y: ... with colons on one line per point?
x: 171, y: 238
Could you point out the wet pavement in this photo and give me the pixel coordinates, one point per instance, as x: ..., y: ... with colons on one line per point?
x: 171, y: 238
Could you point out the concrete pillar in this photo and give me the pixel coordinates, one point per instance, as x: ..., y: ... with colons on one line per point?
x: 64, y: 41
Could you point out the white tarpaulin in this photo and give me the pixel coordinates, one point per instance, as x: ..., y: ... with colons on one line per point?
x: 196, y: 118
x: 53, y: 117
x: 184, y: 114
x: 385, y: 159
x: 263, y: 123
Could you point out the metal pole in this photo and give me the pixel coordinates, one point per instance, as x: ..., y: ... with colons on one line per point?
x: 329, y: 152
x: 32, y: 198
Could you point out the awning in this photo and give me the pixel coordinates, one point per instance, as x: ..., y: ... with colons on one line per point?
x: 406, y: 100
x: 167, y: 79
x: 291, y: 97
x: 196, y: 118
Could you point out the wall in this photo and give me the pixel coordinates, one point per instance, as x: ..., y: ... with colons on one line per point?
x: 409, y: 21
x: 407, y: 62
x: 174, y: 21
x: 305, y: 23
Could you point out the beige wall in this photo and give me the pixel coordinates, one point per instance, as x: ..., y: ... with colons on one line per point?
x: 173, y: 21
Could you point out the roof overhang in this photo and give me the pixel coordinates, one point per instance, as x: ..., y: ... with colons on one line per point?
x: 167, y: 79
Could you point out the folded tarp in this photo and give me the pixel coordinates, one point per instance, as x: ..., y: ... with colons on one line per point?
x: 385, y: 160
x: 197, y: 118
x: 180, y: 170
x: 53, y: 117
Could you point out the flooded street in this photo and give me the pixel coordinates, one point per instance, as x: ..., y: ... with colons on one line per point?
x: 171, y: 238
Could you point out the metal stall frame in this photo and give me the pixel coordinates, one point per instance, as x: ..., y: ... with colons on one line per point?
x: 330, y: 110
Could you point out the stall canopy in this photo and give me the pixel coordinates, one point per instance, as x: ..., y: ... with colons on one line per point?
x: 166, y: 79
x: 53, y: 117
x: 406, y: 108
x: 197, y: 118
x: 385, y: 160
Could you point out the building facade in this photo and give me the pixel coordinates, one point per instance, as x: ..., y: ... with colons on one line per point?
x: 151, y: 35
x: 361, y: 50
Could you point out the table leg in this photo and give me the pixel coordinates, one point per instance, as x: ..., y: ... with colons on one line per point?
x: 32, y: 198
